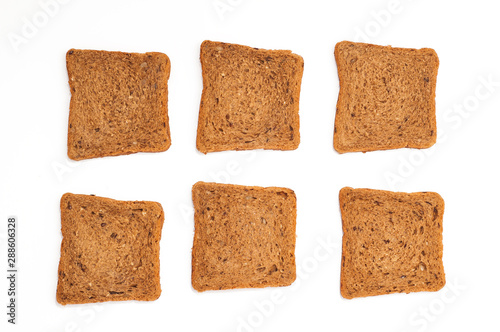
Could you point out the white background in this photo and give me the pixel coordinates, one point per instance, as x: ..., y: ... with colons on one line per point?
x: 462, y: 166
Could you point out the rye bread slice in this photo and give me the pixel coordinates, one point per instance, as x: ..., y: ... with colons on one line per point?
x: 118, y: 103
x: 386, y: 98
x: 244, y: 237
x: 250, y: 98
x: 110, y: 250
x: 392, y: 242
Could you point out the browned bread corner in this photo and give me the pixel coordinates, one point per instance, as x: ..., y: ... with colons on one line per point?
x: 244, y: 237
x: 392, y: 242
x: 250, y: 98
x: 110, y: 250
x: 386, y: 98
x: 118, y: 103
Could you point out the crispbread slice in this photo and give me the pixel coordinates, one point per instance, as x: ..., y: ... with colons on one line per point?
x: 118, y: 103
x: 244, y: 237
x: 386, y: 98
x: 392, y: 242
x: 250, y: 98
x: 110, y: 250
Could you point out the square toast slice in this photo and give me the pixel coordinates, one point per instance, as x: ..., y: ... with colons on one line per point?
x: 386, y: 98
x: 250, y: 98
x: 110, y: 250
x: 244, y: 237
x: 392, y: 242
x: 118, y: 103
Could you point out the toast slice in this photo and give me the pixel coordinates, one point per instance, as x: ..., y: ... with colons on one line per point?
x: 386, y: 98
x: 250, y: 98
x: 244, y: 237
x: 118, y: 103
x: 392, y: 242
x: 110, y: 250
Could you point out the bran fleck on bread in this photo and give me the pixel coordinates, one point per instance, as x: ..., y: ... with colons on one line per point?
x: 392, y: 242
x: 386, y: 98
x: 118, y: 103
x: 250, y: 98
x: 244, y: 237
x: 110, y: 250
